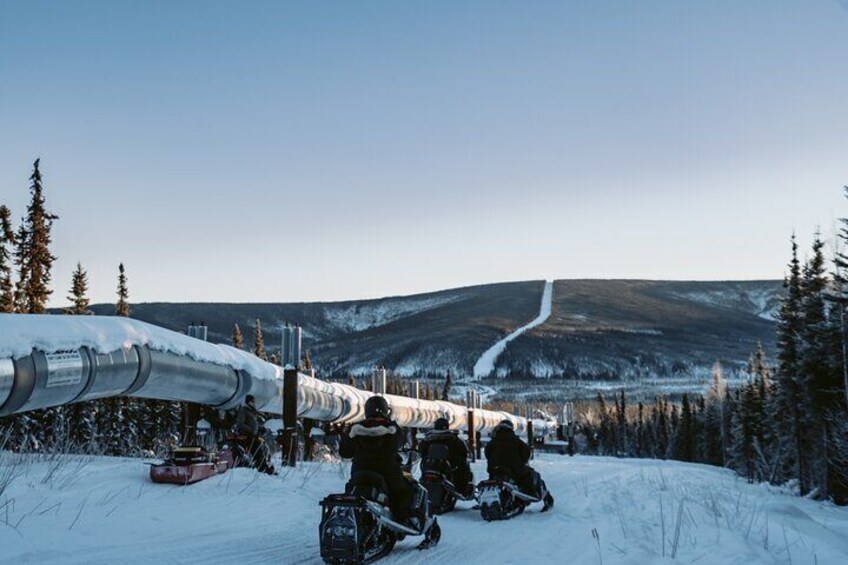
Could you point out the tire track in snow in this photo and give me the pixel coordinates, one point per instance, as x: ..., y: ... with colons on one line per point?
x: 485, y: 365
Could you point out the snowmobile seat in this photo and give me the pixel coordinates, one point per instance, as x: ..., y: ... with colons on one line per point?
x: 438, y: 451
x: 189, y: 455
x: 369, y: 485
x: 503, y: 474
x: 437, y: 459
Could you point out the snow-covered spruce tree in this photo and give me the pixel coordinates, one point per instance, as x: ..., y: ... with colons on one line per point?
x: 662, y: 429
x: 111, y: 427
x: 766, y: 445
x: 35, y: 262
x: 836, y: 403
x: 33, y: 256
x: 82, y: 426
x: 258, y: 346
x: 606, y: 428
x: 622, y: 440
x: 742, y: 453
x: 815, y: 355
x: 447, y: 388
x: 788, y: 389
x: 7, y: 244
x: 639, y: 431
x: 80, y: 417
x: 238, y: 339
x: 18, y: 425
x: 683, y: 442
x: 78, y: 296
x: 134, y: 414
x: 715, y: 434
x: 122, y: 307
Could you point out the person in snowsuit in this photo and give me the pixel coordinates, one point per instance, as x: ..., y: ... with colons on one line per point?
x: 373, y: 445
x: 457, y: 454
x: 506, y: 451
x: 247, y: 425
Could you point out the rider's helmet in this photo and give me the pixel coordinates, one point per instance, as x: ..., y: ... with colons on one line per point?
x: 441, y: 424
x: 507, y: 424
x: 377, y: 407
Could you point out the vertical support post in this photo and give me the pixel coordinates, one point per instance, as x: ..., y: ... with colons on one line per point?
x: 479, y: 444
x: 378, y: 380
x: 290, y: 417
x: 416, y: 391
x: 477, y: 402
x: 472, y: 434
x: 530, y: 436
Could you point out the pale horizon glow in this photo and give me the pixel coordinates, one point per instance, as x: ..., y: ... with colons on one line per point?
x: 299, y: 151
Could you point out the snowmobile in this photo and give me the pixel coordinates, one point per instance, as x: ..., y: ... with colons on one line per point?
x: 501, y: 499
x: 187, y: 465
x: 358, y: 527
x: 240, y: 445
x: 437, y: 478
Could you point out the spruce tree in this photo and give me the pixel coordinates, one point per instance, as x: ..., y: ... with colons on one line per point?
x: 122, y: 307
x: 622, y: 442
x: 815, y: 373
x: 21, y: 254
x: 78, y: 297
x: 81, y: 416
x: 33, y: 256
x: 258, y: 347
x: 683, y: 446
x: 837, y: 399
x: 447, y: 387
x: 715, y: 432
x: 7, y: 244
x: 789, y: 391
x: 238, y: 340
x: 742, y: 451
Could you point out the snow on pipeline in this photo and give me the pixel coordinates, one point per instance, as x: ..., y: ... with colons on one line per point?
x: 104, y: 510
x: 21, y: 333
x: 486, y: 363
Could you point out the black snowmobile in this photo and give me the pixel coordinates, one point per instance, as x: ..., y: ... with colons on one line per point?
x: 501, y: 499
x: 358, y: 527
x: 437, y: 478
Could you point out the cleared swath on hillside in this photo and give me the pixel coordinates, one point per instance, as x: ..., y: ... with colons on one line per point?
x: 614, y: 329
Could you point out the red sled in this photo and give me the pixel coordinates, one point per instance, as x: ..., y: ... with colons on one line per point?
x: 188, y: 465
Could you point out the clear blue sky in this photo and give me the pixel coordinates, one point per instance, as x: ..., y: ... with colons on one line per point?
x: 282, y: 151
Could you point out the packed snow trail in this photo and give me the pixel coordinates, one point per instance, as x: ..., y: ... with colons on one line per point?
x: 102, y: 510
x: 486, y: 363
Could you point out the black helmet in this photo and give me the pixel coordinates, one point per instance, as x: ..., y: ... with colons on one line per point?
x: 249, y: 398
x: 507, y: 424
x: 377, y: 407
x: 441, y: 424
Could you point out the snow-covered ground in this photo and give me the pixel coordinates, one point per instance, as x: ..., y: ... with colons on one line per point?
x: 612, y: 511
x: 486, y: 363
x: 360, y: 317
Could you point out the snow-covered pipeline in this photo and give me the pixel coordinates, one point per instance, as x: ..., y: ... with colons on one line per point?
x: 51, y: 360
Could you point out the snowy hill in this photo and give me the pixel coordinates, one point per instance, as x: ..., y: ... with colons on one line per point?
x: 628, y: 329
x: 100, y: 510
x: 597, y: 329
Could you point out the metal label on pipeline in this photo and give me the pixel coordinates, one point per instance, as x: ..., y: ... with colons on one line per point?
x: 64, y: 368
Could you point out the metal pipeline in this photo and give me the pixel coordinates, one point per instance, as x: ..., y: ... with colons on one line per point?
x: 151, y: 362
